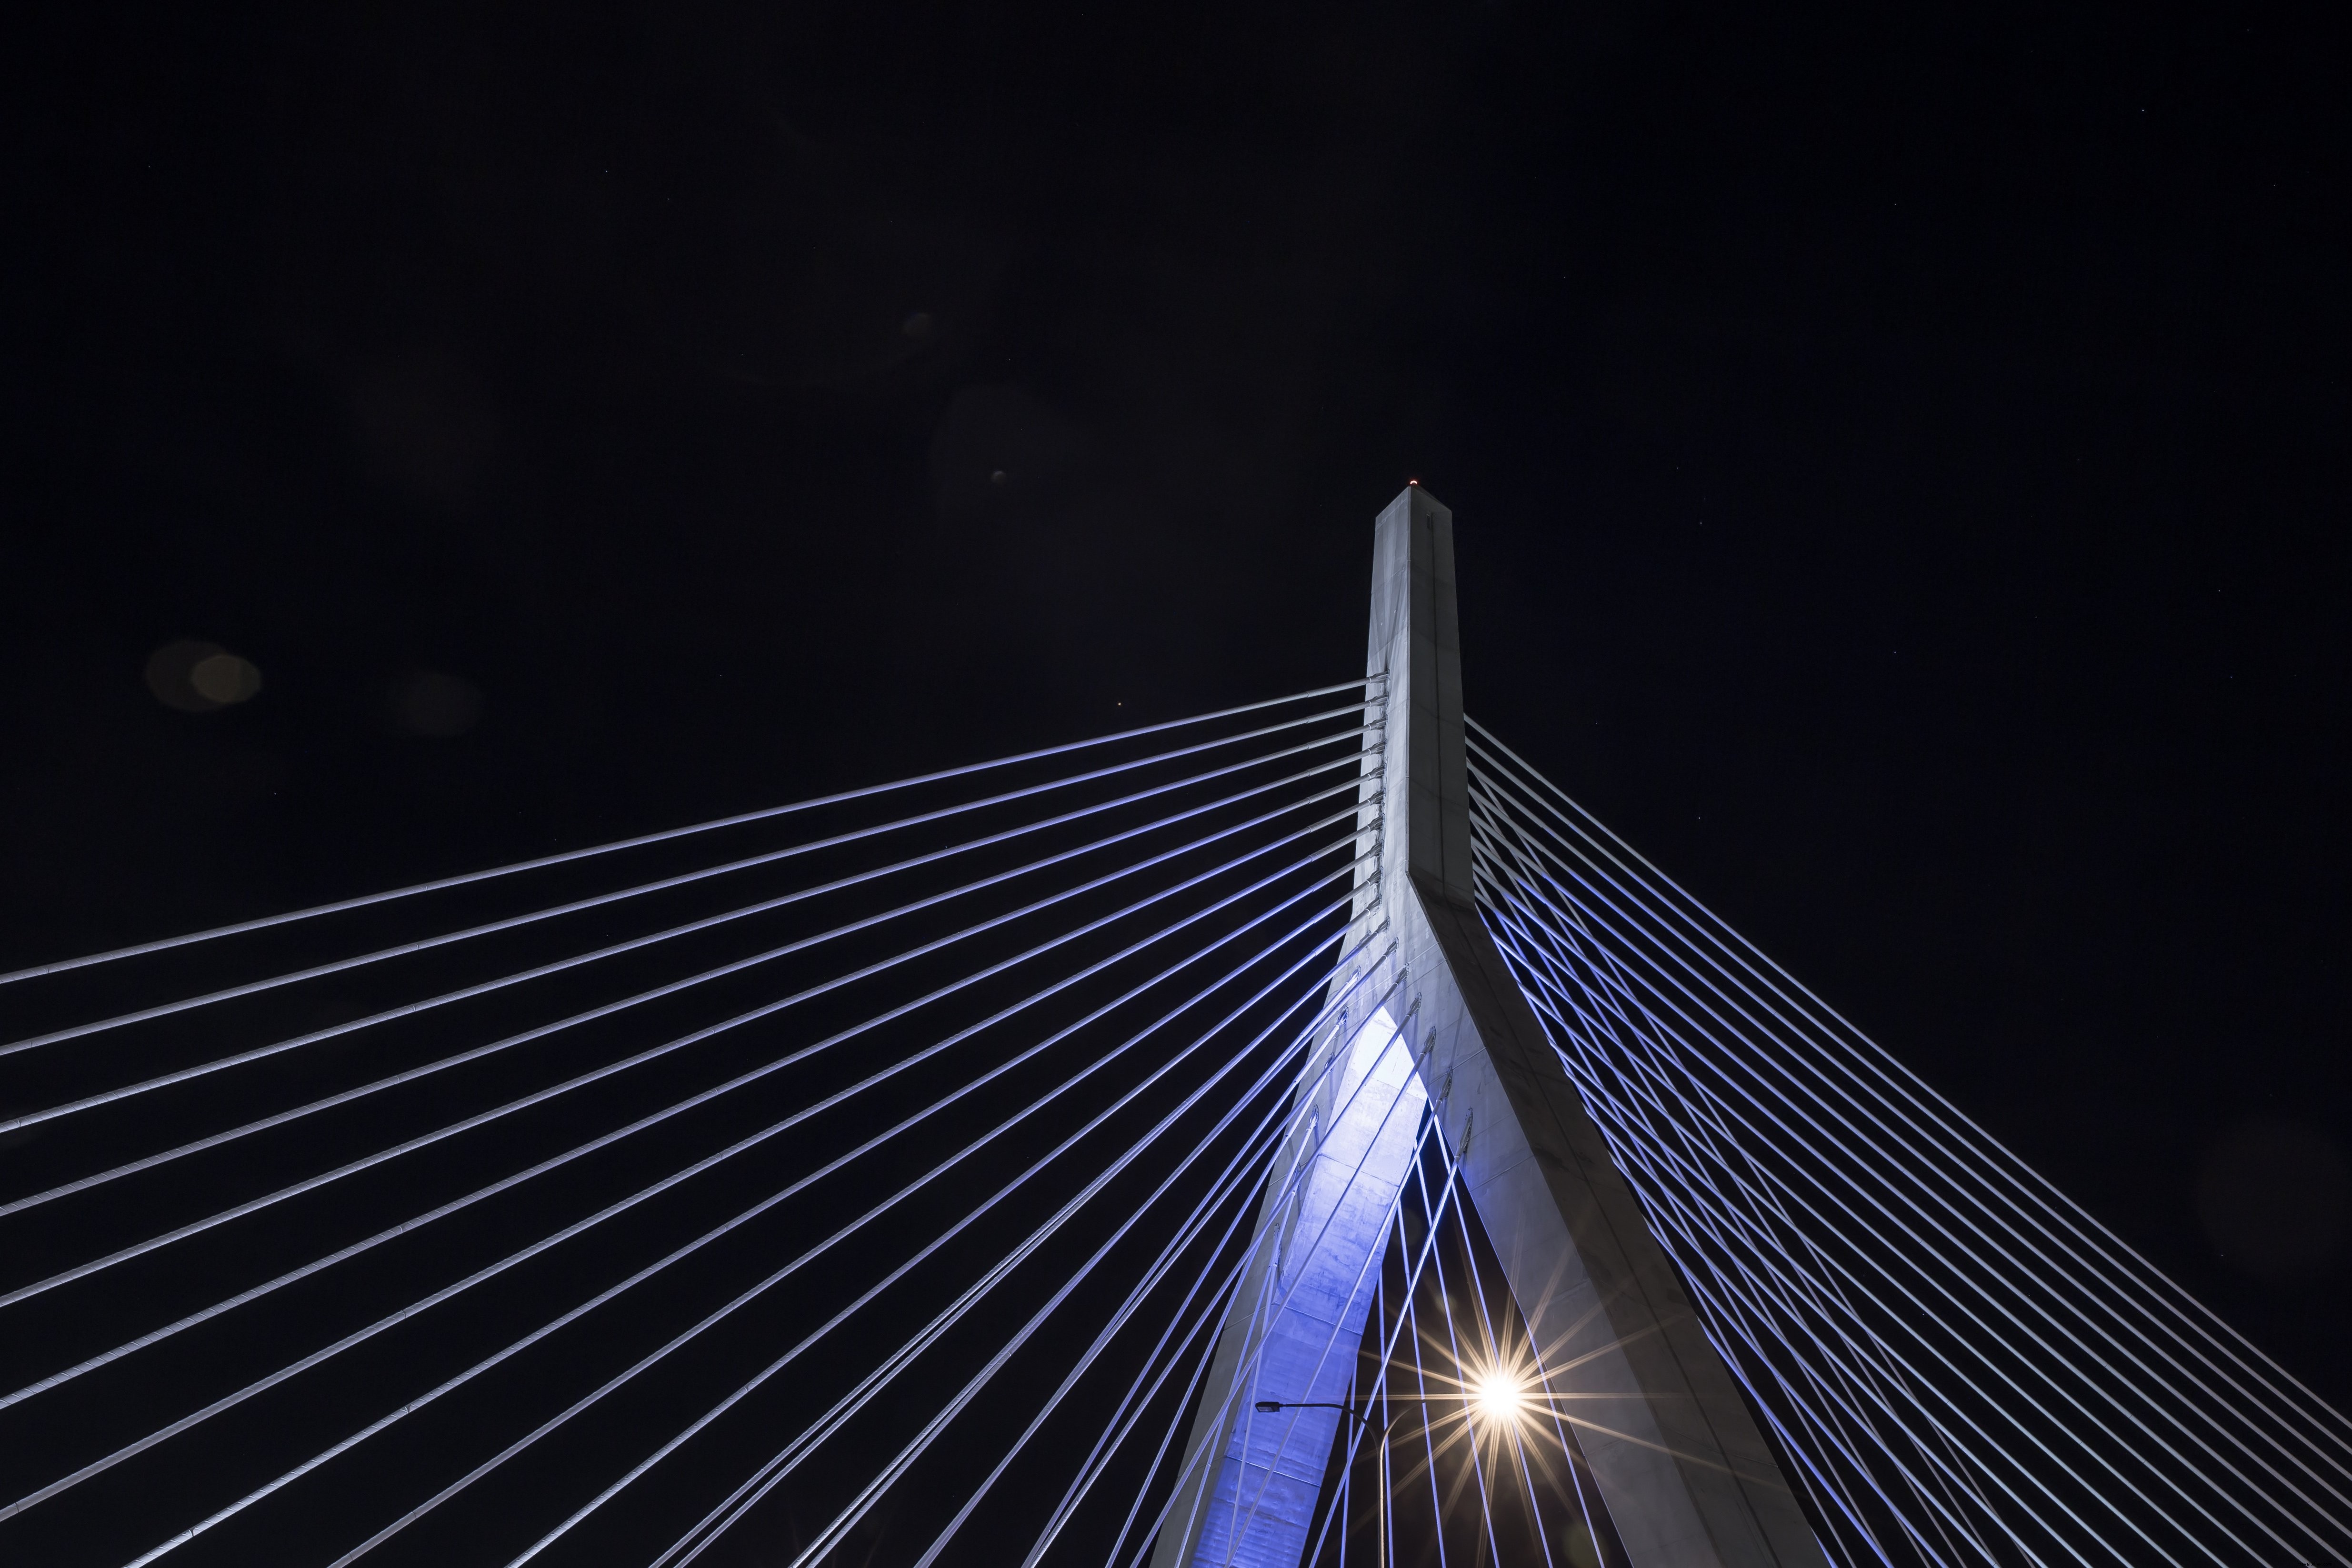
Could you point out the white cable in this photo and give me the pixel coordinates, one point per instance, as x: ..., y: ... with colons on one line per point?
x: 1134, y: 1297
x: 802, y: 1184
x: 850, y: 1404
x: 1213, y: 1452
x: 428, y: 944
x: 464, y: 879
x: 369, y: 1332
x: 607, y: 1010
x: 1138, y: 1397
x: 409, y: 1009
x: 766, y: 1010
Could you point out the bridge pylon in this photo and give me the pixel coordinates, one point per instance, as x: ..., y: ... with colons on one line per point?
x: 1687, y: 1477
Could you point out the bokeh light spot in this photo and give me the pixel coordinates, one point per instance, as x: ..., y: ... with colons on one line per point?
x: 225, y: 678
x: 200, y: 677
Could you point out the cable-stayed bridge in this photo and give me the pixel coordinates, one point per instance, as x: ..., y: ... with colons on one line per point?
x: 1294, y: 1135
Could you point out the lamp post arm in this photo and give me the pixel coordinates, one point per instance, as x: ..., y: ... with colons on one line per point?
x: 1269, y: 1407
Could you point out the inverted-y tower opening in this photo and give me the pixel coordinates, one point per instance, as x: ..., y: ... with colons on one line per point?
x: 1463, y: 1476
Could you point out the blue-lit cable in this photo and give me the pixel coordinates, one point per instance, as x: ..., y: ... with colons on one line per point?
x: 1244, y: 1371
x: 848, y: 1518
x: 1138, y: 1397
x: 1728, y: 1148
x: 1372, y: 1261
x: 1705, y: 1281
x: 2327, y: 1422
x: 1447, y: 1189
x: 2011, y: 1276
x: 1214, y: 1451
x: 1544, y: 1377
x: 1494, y: 1343
x: 1703, y: 1275
x: 2004, y: 1409
x: 1477, y: 1476
x: 1231, y: 1185
x: 764, y: 1474
x: 1592, y: 1087
x: 1748, y: 1059
x: 873, y: 1291
x: 1134, y: 1296
x: 1428, y: 1437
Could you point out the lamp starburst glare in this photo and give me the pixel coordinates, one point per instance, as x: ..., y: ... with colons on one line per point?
x: 1500, y: 1395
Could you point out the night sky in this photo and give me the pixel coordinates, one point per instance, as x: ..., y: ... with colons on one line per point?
x: 1898, y: 463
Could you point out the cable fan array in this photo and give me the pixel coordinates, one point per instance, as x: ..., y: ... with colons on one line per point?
x: 1959, y: 1366
x: 880, y: 1190
x: 873, y: 1179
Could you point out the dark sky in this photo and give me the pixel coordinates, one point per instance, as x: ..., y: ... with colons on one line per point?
x: 1898, y: 462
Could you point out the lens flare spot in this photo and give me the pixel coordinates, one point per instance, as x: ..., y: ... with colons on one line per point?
x: 225, y: 678
x: 200, y: 677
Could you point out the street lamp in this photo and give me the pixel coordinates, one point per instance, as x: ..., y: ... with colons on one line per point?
x: 1501, y: 1396
x: 1498, y: 1396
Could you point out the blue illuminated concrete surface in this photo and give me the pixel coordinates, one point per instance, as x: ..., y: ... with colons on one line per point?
x: 1306, y: 1310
